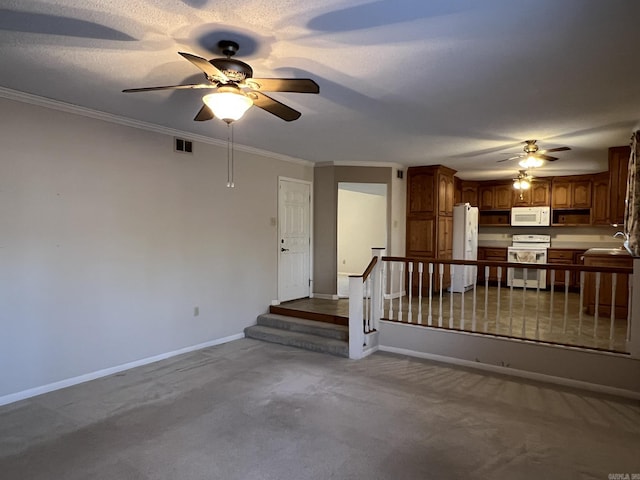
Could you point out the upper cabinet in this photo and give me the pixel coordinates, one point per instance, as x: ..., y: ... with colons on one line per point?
x: 571, y: 200
x: 536, y: 196
x: 600, y: 199
x: 420, y: 191
x: 618, y: 171
x: 495, y: 196
x: 445, y: 192
x: 571, y: 192
x: 469, y: 193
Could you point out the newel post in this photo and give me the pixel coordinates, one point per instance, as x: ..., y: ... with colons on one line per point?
x: 634, y: 333
x: 356, y: 315
x: 376, y: 289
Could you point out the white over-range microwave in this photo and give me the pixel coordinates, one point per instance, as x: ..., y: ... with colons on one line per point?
x: 530, y: 216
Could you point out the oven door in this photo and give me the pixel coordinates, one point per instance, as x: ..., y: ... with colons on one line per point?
x: 529, y: 277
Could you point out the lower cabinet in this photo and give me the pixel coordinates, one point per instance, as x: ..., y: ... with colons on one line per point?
x: 495, y: 254
x: 619, y: 301
x: 564, y: 256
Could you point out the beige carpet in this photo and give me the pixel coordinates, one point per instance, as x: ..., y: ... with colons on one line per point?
x: 252, y: 410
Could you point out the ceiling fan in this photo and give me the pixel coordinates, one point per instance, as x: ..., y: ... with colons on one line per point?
x: 532, y: 157
x: 235, y: 88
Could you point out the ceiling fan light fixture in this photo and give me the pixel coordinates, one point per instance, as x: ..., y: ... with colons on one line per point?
x: 229, y: 103
x: 521, y: 184
x: 522, y: 181
x: 531, y: 162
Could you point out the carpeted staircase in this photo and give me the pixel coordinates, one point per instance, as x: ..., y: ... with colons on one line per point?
x: 302, y: 333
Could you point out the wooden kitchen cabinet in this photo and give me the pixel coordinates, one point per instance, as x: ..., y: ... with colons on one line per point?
x: 445, y: 192
x: 618, y: 171
x: 430, y: 200
x: 494, y: 202
x: 495, y: 196
x: 571, y: 192
x: 561, y: 256
x: 469, y: 193
x: 600, y: 199
x: 495, y: 254
x: 571, y: 200
x: 606, y: 301
x: 536, y: 196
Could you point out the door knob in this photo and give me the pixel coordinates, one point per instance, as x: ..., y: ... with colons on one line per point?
x: 284, y: 249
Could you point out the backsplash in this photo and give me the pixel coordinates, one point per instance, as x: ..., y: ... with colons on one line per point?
x: 561, y: 237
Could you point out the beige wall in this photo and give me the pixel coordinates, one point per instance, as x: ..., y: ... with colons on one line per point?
x: 109, y: 239
x: 326, y: 179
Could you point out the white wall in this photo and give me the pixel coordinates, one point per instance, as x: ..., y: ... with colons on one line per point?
x: 109, y: 239
x: 362, y: 224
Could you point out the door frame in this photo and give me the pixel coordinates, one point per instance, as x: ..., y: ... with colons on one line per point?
x: 277, y: 239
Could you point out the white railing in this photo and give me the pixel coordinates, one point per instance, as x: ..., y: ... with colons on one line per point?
x: 365, y: 307
x: 414, y: 291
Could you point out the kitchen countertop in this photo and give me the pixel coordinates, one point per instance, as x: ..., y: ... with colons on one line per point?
x: 608, y: 251
x: 556, y: 244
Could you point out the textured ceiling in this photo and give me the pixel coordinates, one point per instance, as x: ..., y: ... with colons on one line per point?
x: 456, y: 82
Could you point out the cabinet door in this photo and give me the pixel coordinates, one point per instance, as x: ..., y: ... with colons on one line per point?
x: 420, y: 195
x: 521, y: 198
x: 560, y: 257
x: 445, y: 194
x: 445, y: 237
x: 618, y: 169
x: 470, y: 194
x: 561, y: 194
x: 600, y: 204
x: 486, y: 197
x: 496, y: 255
x: 420, y: 237
x: 605, y: 299
x: 581, y: 194
x: 539, y: 194
x: 502, y: 197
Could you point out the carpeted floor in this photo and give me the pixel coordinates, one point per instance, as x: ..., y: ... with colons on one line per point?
x: 252, y: 410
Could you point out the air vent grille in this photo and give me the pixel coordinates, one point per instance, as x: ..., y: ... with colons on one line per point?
x: 182, y: 145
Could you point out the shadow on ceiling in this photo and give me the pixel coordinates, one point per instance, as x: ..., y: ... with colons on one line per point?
x: 209, y: 41
x: 385, y: 12
x: 28, y: 22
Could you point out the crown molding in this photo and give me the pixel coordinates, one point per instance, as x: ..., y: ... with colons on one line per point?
x: 45, y: 102
x: 339, y: 163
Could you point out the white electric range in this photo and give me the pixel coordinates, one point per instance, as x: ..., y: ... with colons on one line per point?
x: 527, y: 248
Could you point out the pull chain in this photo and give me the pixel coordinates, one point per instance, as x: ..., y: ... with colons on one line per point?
x: 230, y: 156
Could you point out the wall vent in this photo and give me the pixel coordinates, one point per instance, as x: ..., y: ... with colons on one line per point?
x: 182, y: 145
x: 400, y: 174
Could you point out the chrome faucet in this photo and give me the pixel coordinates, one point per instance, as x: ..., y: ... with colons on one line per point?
x: 621, y: 234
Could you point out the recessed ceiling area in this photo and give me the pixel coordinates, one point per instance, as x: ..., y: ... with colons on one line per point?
x: 455, y: 82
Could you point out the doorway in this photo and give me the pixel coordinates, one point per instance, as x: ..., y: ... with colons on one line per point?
x: 362, y: 224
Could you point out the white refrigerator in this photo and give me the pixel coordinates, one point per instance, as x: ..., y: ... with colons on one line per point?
x: 465, y: 246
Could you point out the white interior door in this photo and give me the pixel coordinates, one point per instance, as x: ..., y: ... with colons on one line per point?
x: 294, y: 242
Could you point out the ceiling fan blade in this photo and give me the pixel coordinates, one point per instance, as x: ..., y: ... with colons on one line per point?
x: 559, y: 149
x: 170, y: 87
x: 278, y: 109
x: 548, y: 158
x: 510, y: 158
x: 297, y: 85
x: 211, y: 72
x: 204, y: 114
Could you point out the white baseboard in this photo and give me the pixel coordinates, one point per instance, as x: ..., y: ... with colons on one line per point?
x: 541, y: 377
x: 32, y: 392
x: 326, y: 296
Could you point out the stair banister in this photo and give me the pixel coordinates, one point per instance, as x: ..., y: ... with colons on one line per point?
x: 372, y: 273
